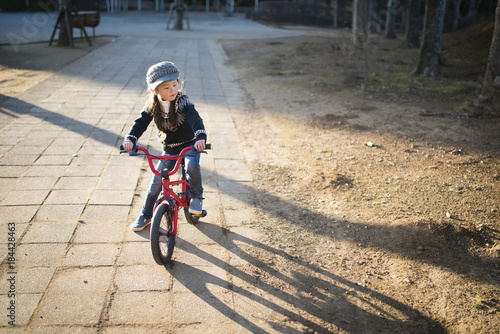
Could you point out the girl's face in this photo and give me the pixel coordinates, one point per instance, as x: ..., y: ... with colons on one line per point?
x: 168, y: 90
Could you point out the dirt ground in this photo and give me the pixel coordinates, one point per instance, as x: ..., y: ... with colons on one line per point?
x: 377, y: 193
x: 380, y: 190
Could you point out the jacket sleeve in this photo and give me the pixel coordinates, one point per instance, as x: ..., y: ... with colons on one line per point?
x: 194, y: 120
x: 140, y: 125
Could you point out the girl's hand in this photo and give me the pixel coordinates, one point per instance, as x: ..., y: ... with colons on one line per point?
x: 199, y: 145
x: 128, y: 146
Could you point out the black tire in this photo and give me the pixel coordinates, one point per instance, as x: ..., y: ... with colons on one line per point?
x: 162, y: 239
x: 189, y: 217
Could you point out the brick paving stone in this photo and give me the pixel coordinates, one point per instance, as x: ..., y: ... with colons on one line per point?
x: 237, y: 201
x: 25, y: 197
x: 119, y: 177
x: 35, y: 183
x: 201, y: 279
x: 73, y: 197
x: 26, y: 305
x: 231, y: 164
x: 78, y: 182
x: 142, y: 236
x: 91, y: 255
x: 231, y: 187
x: 59, y: 213
x: 133, y: 329
x: 238, y: 217
x: 41, y: 171
x: 17, y: 214
x: 141, y: 308
x: 105, y: 213
x: 195, y: 255
x: 62, y: 329
x: 78, y: 279
x: 243, y: 175
x: 18, y: 160
x: 243, y: 234
x: 142, y: 278
x: 28, y: 280
x: 54, y: 160
x: 43, y: 254
x: 12, y: 171
x: 61, y: 150
x: 112, y: 197
x: 99, y: 232
x: 191, y: 308
x: 203, y: 233
x: 70, y: 308
x: 8, y: 183
x: 52, y: 232
x: 201, y: 328
x: 134, y: 253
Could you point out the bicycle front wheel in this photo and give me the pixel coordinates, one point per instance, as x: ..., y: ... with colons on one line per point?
x: 162, y: 238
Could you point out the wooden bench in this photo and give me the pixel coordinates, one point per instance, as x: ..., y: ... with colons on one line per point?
x: 88, y: 19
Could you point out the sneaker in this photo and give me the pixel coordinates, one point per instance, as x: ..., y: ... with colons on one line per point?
x: 140, y: 223
x: 195, y: 206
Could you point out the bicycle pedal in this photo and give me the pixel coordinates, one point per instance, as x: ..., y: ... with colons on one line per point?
x: 203, y: 214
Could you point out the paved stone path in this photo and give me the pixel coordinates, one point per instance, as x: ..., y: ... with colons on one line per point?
x: 68, y: 197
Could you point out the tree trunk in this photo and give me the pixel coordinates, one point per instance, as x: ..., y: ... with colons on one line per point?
x: 430, y: 50
x: 338, y: 14
x: 413, y: 24
x: 65, y: 34
x: 472, y: 11
x: 491, y: 83
x: 360, y: 15
x: 179, y: 11
x: 335, y: 13
x: 390, y: 22
x: 230, y: 7
x: 456, y: 14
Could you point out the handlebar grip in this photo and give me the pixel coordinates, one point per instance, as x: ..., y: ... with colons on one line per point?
x: 208, y: 146
x: 134, y: 150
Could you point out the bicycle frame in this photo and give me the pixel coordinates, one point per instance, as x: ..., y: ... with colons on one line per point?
x: 167, y: 193
x: 166, y: 210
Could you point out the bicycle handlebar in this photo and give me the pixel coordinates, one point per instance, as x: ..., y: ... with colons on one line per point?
x: 151, y: 157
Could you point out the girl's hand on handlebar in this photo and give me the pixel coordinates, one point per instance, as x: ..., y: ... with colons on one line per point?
x: 199, y: 145
x: 128, y: 146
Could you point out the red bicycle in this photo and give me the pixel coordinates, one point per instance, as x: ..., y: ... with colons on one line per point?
x: 166, y: 210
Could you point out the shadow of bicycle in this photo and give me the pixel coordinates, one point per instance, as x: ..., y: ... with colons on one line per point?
x: 246, y: 282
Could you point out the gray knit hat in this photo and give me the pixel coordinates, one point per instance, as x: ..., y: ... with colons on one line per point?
x: 160, y: 73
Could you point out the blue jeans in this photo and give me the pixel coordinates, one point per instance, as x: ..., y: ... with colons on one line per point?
x: 193, y: 175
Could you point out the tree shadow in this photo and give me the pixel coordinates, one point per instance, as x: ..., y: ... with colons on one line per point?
x: 305, y: 299
x: 431, y: 242
x: 14, y: 108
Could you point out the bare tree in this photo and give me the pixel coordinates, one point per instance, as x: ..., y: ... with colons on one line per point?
x: 360, y: 16
x: 491, y: 81
x: 456, y: 14
x: 413, y: 24
x: 430, y: 51
x: 473, y: 10
x: 179, y: 11
x: 390, y: 22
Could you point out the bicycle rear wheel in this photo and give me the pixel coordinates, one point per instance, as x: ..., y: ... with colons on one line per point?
x: 162, y: 238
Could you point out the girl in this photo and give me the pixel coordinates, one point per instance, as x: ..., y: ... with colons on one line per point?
x: 179, y: 125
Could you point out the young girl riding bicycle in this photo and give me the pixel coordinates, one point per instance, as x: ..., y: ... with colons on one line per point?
x: 179, y: 126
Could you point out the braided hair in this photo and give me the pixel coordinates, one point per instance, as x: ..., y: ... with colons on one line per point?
x: 165, y: 119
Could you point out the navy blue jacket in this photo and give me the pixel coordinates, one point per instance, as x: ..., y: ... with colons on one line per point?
x: 190, y: 130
